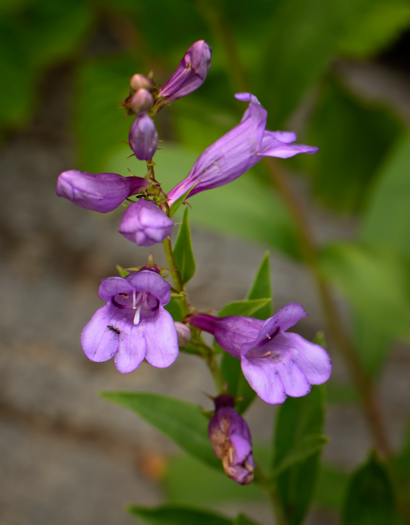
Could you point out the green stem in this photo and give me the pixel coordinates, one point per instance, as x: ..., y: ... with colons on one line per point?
x: 278, y: 510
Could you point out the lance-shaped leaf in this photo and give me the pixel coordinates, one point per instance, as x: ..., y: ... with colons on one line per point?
x: 181, y: 421
x: 241, y: 519
x: 370, y: 496
x: 297, y: 444
x: 261, y: 288
x: 183, y: 254
x: 175, y: 515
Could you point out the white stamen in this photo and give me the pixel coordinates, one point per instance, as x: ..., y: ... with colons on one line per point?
x: 137, y: 315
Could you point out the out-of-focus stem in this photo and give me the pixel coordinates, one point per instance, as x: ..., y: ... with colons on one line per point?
x: 309, y: 252
x: 266, y: 484
x: 335, y: 326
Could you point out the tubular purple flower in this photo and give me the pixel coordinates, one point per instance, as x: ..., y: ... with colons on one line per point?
x: 145, y: 223
x: 275, y: 363
x: 101, y: 192
x: 134, y: 324
x: 190, y: 73
x: 231, y: 440
x: 143, y: 137
x: 239, y: 150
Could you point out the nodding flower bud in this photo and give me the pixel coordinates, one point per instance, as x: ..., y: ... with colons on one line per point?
x: 190, y: 73
x: 231, y: 440
x: 145, y: 224
x: 141, y: 101
x: 143, y: 137
x: 101, y: 192
x: 141, y: 82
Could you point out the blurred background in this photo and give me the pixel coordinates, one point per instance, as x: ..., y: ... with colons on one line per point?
x: 336, y: 72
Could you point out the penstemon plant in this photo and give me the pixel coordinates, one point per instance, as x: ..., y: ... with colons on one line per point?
x: 253, y: 352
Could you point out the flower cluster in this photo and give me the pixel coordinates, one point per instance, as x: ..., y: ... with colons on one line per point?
x: 134, y: 325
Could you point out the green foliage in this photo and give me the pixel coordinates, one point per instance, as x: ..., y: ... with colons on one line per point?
x: 188, y: 481
x: 183, y: 254
x: 297, y: 443
x: 370, y: 497
x: 181, y: 421
x: 379, y: 22
x: 386, y: 220
x: 241, y: 519
x: 353, y: 140
x: 330, y: 488
x: 375, y: 282
x: 102, y: 84
x: 174, y: 515
x: 34, y: 36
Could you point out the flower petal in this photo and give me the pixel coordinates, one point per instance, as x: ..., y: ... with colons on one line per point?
x: 161, y: 338
x: 151, y: 282
x: 293, y: 379
x: 312, y: 359
x: 98, y: 341
x: 265, y: 380
x: 277, y: 144
x: 132, y: 348
x: 113, y: 286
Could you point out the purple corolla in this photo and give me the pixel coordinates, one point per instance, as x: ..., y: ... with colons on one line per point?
x: 133, y: 325
x: 190, y: 73
x: 275, y: 363
x: 145, y: 223
x: 231, y: 440
x: 236, y: 152
x: 143, y: 137
x: 101, y: 192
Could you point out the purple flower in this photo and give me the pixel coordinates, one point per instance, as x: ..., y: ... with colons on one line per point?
x: 190, y: 73
x: 145, y: 223
x: 275, y: 363
x: 143, y: 137
x: 101, y: 192
x: 236, y: 152
x: 133, y: 325
x: 231, y: 440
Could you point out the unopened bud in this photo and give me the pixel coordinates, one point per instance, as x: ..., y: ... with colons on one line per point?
x: 231, y: 440
x: 143, y: 138
x: 141, y: 101
x: 141, y: 82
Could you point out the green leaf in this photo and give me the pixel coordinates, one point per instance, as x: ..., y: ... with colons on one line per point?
x: 386, y: 220
x: 182, y: 422
x: 261, y: 288
x: 299, y: 423
x: 375, y: 282
x: 247, y: 308
x: 375, y: 27
x: 183, y: 254
x: 303, y: 449
x: 188, y: 481
x: 330, y: 488
x: 101, y: 127
x: 367, y: 132
x: 174, y: 309
x: 241, y: 519
x: 370, y: 497
x: 175, y: 515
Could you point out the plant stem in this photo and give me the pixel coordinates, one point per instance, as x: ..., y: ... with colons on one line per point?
x: 278, y: 510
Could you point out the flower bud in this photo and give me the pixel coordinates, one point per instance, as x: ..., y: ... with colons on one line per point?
x: 183, y: 332
x: 231, y: 440
x: 190, y: 73
x: 141, y: 82
x: 101, y: 192
x: 141, y: 101
x: 145, y: 224
x: 143, y: 137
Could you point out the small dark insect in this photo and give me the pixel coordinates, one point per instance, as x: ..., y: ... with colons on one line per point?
x: 114, y: 329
